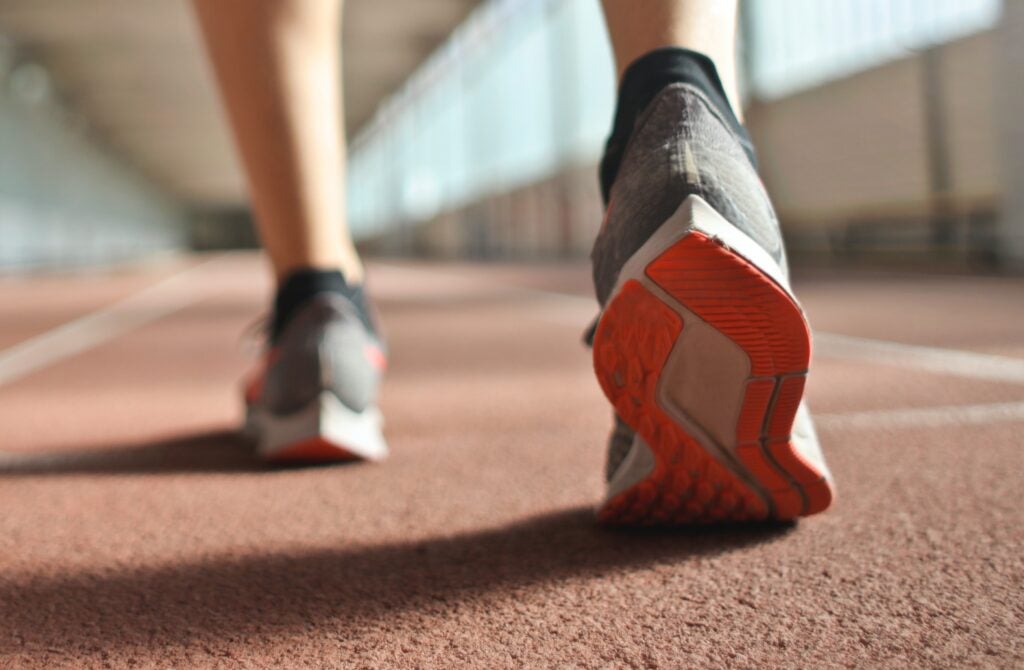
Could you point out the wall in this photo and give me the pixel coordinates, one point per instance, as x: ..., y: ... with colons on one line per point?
x: 900, y: 155
x: 64, y: 199
x: 1010, y: 103
x: 864, y: 146
x: 553, y: 218
x: 903, y: 158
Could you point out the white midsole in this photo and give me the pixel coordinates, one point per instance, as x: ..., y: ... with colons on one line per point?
x: 326, y: 417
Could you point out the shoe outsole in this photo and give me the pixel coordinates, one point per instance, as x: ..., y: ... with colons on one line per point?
x: 633, y: 342
x: 325, y: 431
x: 312, y: 451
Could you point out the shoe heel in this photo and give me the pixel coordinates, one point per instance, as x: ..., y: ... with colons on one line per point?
x: 747, y: 353
x: 633, y: 342
x: 744, y: 304
x: 323, y: 431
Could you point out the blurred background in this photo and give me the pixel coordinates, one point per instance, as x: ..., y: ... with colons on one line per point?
x: 888, y: 130
x: 139, y: 530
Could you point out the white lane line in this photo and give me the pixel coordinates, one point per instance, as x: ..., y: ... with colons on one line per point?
x: 577, y: 311
x: 924, y: 417
x: 954, y: 362
x: 555, y: 306
x: 154, y: 302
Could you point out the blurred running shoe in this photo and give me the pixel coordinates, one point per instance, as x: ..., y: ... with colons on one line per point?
x: 314, y: 398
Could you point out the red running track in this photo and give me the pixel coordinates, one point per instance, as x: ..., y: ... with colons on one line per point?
x: 137, y: 531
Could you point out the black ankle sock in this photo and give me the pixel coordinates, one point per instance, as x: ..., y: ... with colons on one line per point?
x: 301, y: 285
x: 643, y: 80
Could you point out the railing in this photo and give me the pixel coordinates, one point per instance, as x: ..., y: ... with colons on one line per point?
x: 525, y: 88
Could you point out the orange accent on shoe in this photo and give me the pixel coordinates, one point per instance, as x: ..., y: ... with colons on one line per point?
x: 739, y: 300
x: 254, y: 386
x: 787, y: 500
x: 376, y: 356
x: 632, y: 343
x: 313, y: 450
x: 749, y: 308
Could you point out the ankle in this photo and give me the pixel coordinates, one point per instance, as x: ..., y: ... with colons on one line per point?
x: 298, y: 286
x: 641, y: 83
x: 351, y: 266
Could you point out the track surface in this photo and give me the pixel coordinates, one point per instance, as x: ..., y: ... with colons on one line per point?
x: 136, y: 531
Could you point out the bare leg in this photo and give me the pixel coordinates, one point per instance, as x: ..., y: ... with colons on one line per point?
x: 278, y: 64
x: 707, y: 26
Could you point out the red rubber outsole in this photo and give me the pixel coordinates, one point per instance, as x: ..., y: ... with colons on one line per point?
x: 313, y: 450
x: 633, y: 341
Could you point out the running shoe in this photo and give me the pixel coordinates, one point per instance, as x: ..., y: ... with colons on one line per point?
x: 701, y: 346
x: 314, y: 397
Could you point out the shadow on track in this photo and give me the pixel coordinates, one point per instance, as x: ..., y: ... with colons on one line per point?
x: 261, y: 596
x: 213, y: 451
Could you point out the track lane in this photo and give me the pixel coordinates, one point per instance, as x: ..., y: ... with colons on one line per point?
x: 135, y: 529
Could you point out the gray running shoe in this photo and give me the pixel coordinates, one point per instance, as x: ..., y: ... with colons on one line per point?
x: 701, y: 346
x: 314, y: 397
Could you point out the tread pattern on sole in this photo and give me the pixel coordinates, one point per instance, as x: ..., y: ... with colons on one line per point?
x: 687, y: 485
x: 632, y: 344
x: 753, y: 311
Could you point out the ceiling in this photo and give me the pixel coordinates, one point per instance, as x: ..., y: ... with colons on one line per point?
x: 135, y: 70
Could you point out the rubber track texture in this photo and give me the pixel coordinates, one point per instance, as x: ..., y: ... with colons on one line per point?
x: 633, y: 342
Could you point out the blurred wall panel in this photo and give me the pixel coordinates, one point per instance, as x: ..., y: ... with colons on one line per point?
x: 967, y: 70
x: 556, y: 217
x: 905, y: 158
x: 64, y: 199
x: 1010, y: 97
x: 875, y: 126
x: 847, y: 149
